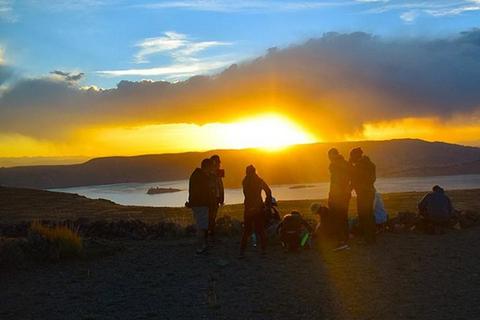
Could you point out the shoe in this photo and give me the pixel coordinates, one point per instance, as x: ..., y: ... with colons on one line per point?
x: 201, y: 250
x: 341, y: 246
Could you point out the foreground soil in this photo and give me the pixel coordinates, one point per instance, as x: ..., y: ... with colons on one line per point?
x: 405, y: 276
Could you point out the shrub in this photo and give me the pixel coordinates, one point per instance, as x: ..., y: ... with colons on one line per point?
x: 62, y: 241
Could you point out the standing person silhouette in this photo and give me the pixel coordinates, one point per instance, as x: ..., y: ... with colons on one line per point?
x: 339, y: 198
x: 254, y: 209
x: 363, y: 180
x: 218, y: 175
x: 201, y: 197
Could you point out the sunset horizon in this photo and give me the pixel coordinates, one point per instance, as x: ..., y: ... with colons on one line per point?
x: 171, y: 87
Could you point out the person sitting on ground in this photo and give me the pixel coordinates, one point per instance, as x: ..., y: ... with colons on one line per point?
x: 254, y: 209
x: 292, y: 229
x: 201, y: 197
x: 437, y: 210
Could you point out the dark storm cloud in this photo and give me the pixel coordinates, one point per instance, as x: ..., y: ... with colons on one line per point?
x: 68, y: 76
x: 344, y: 79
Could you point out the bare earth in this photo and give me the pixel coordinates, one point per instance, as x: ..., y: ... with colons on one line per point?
x: 405, y: 276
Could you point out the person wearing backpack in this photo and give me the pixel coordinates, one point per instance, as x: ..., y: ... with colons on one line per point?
x: 293, y: 229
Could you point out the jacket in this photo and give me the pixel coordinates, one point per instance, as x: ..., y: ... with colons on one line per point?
x: 436, y: 205
x: 252, y: 190
x: 340, y: 186
x: 364, y: 176
x: 201, y: 192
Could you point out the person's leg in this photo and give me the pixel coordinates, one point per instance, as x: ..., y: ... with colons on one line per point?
x: 260, y: 231
x: 212, y: 217
x: 340, y: 212
x: 247, y: 231
x: 366, y: 215
x: 201, y: 219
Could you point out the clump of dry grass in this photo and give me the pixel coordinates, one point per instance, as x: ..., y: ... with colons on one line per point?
x: 65, y: 240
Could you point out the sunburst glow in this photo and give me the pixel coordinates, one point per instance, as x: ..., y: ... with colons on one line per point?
x: 269, y: 132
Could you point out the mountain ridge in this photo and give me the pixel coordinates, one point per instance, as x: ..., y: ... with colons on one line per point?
x: 295, y: 164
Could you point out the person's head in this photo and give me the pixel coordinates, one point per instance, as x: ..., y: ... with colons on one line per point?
x: 437, y: 188
x: 250, y: 170
x: 317, y: 208
x: 207, y: 165
x: 295, y: 213
x: 333, y: 154
x: 216, y: 161
x: 356, y: 154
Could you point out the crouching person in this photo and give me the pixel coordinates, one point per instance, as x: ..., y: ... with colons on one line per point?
x: 436, y: 210
x: 294, y: 231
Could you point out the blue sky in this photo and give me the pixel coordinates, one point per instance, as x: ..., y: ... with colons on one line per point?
x: 111, y: 40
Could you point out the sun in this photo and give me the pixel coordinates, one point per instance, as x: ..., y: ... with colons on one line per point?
x: 269, y: 132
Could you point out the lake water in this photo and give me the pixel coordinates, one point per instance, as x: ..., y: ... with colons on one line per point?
x: 135, y: 193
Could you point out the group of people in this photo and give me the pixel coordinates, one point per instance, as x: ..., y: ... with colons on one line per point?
x: 358, y: 174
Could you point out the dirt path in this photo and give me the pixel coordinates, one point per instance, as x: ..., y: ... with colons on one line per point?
x: 403, y: 277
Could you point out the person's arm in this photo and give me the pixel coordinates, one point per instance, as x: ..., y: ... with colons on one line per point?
x: 422, y: 205
x: 268, y: 193
x: 279, y: 226
x: 450, y: 207
x: 222, y: 191
x: 307, y: 225
x: 190, y: 188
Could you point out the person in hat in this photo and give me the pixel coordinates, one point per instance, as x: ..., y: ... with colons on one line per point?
x: 339, y: 198
x: 363, y: 178
x: 254, y: 208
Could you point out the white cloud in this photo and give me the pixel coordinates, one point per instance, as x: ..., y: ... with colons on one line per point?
x: 177, y: 45
x: 183, y: 53
x: 6, y: 11
x: 172, y: 71
x: 409, y: 16
x: 437, y: 8
x: 245, y: 5
x: 2, y: 56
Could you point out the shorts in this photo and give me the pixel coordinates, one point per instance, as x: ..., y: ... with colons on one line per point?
x: 200, y: 214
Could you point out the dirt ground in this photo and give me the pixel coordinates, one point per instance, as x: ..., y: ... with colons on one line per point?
x: 405, y: 276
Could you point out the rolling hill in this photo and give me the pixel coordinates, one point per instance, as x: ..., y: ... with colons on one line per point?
x: 296, y: 164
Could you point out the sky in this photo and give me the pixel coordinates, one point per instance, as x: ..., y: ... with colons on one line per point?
x: 109, y: 77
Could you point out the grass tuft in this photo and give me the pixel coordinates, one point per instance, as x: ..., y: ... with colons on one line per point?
x: 66, y: 240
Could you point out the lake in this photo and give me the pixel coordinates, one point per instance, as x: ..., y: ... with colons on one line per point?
x: 135, y: 193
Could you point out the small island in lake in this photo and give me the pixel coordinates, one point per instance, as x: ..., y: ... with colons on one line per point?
x: 158, y: 190
x: 302, y: 186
